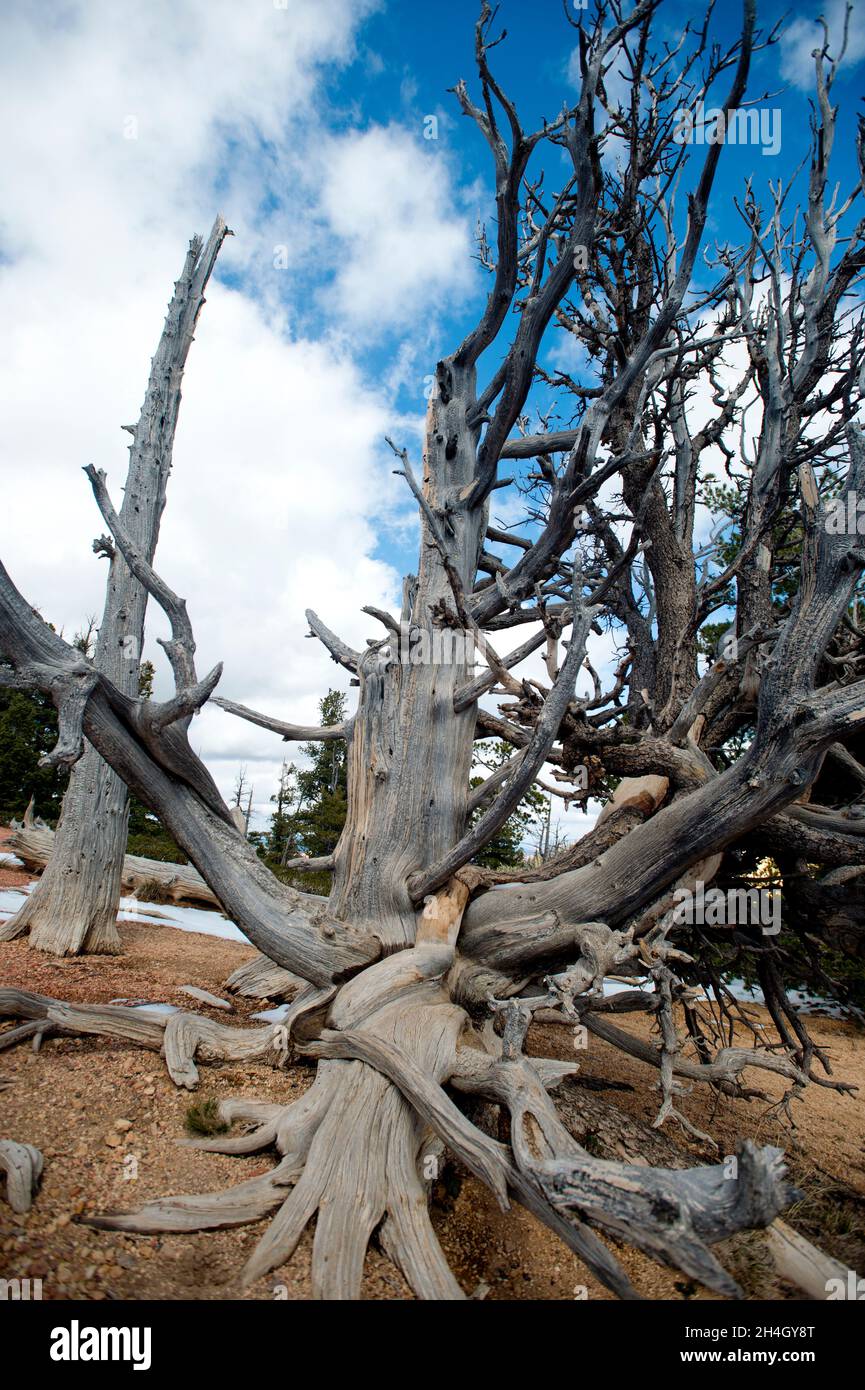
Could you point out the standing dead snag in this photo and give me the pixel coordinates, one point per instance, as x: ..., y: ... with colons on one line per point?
x: 73, y: 907
x: 401, y: 980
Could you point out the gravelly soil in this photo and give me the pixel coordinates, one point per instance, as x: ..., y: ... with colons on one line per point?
x: 92, y: 1105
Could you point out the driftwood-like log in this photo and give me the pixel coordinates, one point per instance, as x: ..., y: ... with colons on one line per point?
x: 801, y: 1263
x: 22, y: 1164
x: 205, y: 997
x: 181, y: 882
x: 259, y: 978
x: 179, y: 1037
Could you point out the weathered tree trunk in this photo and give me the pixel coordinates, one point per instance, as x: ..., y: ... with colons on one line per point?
x: 407, y: 796
x: 73, y: 908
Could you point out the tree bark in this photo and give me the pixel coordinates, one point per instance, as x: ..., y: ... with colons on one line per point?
x: 407, y: 796
x: 181, y: 882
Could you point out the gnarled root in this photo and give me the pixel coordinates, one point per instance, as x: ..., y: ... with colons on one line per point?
x: 673, y: 1215
x: 180, y: 1037
x: 355, y: 1151
x: 261, y: 978
x: 358, y: 1146
x: 354, y: 1145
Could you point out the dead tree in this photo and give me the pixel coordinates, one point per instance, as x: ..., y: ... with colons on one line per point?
x: 73, y: 907
x: 414, y: 983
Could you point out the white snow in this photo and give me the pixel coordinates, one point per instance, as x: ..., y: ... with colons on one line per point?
x: 11, y: 899
x: 275, y: 1015
x: 198, y: 919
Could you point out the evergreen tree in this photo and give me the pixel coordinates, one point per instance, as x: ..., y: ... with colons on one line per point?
x: 318, y: 794
x: 322, y: 787
x: 279, y: 842
x: 505, y: 849
x: 28, y: 730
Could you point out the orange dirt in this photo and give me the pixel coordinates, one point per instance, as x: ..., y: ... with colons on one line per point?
x: 89, y: 1103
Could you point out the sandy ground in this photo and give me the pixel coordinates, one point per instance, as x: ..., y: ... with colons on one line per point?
x: 90, y: 1104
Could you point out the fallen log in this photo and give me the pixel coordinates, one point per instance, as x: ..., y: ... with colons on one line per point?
x: 178, y: 882
x: 801, y: 1263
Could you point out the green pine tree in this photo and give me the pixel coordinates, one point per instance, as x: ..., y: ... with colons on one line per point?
x: 280, y: 839
x: 322, y: 788
x: 505, y: 849
x: 28, y: 730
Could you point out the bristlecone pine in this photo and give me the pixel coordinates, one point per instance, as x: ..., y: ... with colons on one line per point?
x: 414, y: 984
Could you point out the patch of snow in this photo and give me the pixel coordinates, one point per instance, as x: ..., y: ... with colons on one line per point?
x: 618, y: 986
x: 197, y: 919
x: 11, y: 899
x: 802, y: 1001
x: 275, y: 1015
x: 11, y: 860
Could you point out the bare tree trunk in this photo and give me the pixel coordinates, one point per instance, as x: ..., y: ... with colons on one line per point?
x: 73, y: 907
x: 407, y: 797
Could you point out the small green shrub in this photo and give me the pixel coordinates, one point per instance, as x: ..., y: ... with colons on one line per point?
x: 203, y: 1118
x: 150, y: 890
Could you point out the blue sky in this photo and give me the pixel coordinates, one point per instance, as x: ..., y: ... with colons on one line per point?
x: 408, y: 55
x: 351, y: 272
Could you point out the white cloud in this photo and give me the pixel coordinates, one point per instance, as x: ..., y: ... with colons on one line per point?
x: 802, y: 36
x: 387, y: 197
x: 281, y: 480
x: 128, y: 117
x: 273, y: 499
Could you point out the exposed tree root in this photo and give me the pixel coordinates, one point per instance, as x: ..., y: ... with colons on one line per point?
x: 22, y: 1164
x: 358, y: 1150
x: 260, y: 978
x: 211, y: 1211
x: 180, y: 1037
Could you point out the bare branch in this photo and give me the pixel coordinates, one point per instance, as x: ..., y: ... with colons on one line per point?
x: 289, y: 732
x: 338, y: 649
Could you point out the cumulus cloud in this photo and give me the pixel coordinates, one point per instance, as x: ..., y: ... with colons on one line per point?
x: 387, y: 198
x: 802, y: 36
x: 133, y: 125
